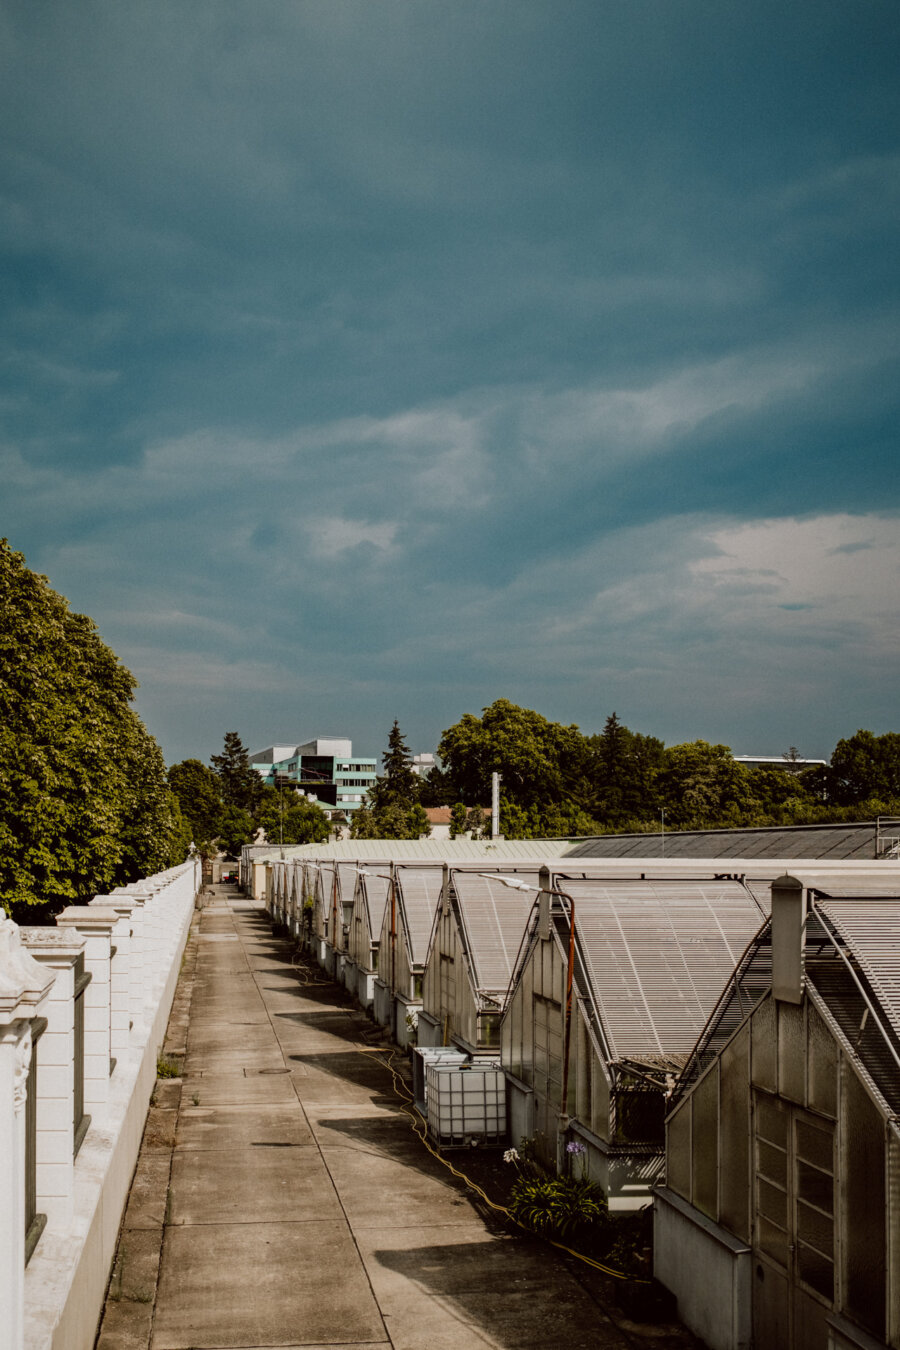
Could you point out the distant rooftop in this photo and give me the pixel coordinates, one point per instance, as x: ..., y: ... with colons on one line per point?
x: 778, y: 762
x: 858, y: 840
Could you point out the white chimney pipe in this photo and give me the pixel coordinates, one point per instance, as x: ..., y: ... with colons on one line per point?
x: 788, y: 938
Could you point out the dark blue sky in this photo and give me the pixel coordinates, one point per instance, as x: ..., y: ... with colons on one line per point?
x: 376, y: 359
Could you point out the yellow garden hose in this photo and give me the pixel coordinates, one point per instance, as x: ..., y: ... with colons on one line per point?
x: 418, y: 1127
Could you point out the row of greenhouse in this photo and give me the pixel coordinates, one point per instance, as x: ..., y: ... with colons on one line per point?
x: 720, y: 1038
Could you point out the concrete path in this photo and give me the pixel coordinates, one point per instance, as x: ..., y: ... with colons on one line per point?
x: 281, y: 1198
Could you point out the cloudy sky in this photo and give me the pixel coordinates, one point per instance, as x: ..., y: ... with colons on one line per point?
x: 364, y: 359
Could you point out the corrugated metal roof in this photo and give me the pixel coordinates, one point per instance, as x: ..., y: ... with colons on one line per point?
x: 837, y: 998
x: 419, y: 893
x: 375, y: 888
x: 658, y: 954
x: 870, y: 927
x: 796, y: 841
x: 347, y: 875
x: 410, y: 849
x: 326, y: 888
x: 494, y: 918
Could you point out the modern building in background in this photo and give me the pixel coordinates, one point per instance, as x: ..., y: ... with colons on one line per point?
x: 325, y: 768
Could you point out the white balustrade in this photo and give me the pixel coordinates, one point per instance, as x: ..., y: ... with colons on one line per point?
x: 121, y: 959
x: 130, y: 944
x: 23, y: 991
x: 95, y: 925
x: 60, y: 953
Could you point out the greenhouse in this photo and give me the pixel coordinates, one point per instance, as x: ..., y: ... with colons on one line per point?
x: 478, y: 931
x: 406, y: 931
x: 364, y: 924
x: 615, y: 983
x: 780, y: 1217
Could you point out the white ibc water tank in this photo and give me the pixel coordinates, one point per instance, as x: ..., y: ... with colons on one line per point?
x: 466, y: 1104
x: 423, y: 1055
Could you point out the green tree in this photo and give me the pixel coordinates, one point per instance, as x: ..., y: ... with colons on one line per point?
x: 623, y: 770
x: 556, y: 821
x: 701, y: 787
x: 532, y: 755
x: 865, y: 766
x: 457, y: 820
x: 781, y: 793
x: 478, y: 823
x: 84, y: 803
x: 399, y: 784
x: 392, y: 809
x: 363, y: 824
x: 149, y: 834
x: 199, y: 793
x: 393, y: 821
x: 436, y: 789
x: 295, y: 821
x: 242, y: 786
x: 417, y: 822
x: 236, y: 828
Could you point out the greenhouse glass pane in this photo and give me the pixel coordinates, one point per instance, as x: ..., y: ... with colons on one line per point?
x: 734, y: 1135
x: 815, y: 1145
x: 822, y: 1065
x: 791, y: 1053
x: 678, y: 1151
x: 763, y: 1046
x: 705, y: 1144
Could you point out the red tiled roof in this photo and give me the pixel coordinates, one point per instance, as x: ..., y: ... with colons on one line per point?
x: 440, y: 815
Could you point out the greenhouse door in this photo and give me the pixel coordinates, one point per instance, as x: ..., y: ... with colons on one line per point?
x: 793, y: 1241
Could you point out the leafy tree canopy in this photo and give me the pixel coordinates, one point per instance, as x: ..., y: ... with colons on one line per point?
x: 458, y: 817
x: 399, y: 784
x: 84, y: 801
x: 392, y: 809
x: 292, y: 818
x: 436, y: 789
x: 241, y: 784
x: 362, y: 823
x: 622, y: 767
x: 700, y: 786
x: 865, y: 766
x: 199, y: 793
x: 555, y: 821
x: 236, y: 828
x: 532, y: 755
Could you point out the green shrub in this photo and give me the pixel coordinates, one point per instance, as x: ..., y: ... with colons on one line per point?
x: 559, y: 1207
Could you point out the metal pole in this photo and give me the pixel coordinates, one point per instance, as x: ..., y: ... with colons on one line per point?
x: 495, y: 806
x: 393, y: 950
x: 570, y: 974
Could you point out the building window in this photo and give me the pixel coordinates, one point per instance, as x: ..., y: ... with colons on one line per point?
x: 795, y: 1192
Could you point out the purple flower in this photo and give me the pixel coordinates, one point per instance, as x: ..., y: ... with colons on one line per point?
x: 575, y: 1147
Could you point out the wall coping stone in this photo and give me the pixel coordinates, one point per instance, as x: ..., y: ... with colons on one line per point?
x: 53, y: 942
x: 23, y: 982
x: 86, y: 916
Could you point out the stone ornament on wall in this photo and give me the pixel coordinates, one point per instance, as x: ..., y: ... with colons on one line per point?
x: 20, y: 1070
x: 22, y: 980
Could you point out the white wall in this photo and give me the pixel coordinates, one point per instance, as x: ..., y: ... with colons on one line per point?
x: 707, y: 1269
x: 61, y: 1292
